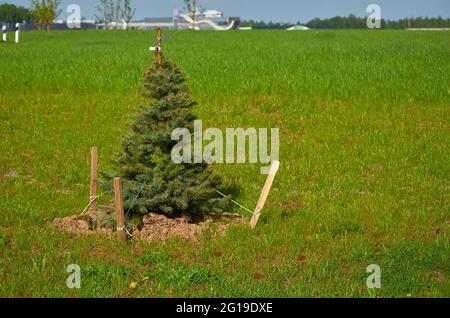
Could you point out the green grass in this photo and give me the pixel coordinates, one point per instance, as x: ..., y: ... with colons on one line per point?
x: 364, y: 120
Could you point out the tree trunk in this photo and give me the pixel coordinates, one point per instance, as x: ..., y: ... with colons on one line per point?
x: 194, y: 8
x: 49, y: 30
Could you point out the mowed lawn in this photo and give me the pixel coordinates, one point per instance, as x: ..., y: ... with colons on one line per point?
x: 364, y: 120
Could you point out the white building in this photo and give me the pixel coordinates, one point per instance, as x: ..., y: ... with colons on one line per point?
x: 212, y: 14
x: 207, y: 20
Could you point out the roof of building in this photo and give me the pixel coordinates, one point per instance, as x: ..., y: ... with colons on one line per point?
x: 156, y: 20
x: 298, y: 28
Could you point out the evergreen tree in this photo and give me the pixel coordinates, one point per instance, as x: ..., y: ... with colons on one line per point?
x: 151, y: 181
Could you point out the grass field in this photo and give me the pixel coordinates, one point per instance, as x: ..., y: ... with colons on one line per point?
x: 364, y: 120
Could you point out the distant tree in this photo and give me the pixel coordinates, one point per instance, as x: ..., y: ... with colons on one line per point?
x: 105, y: 9
x: 127, y: 12
x: 117, y: 10
x: 113, y: 10
x: 191, y: 8
x: 45, y: 12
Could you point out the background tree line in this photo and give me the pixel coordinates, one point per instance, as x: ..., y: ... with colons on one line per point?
x: 9, y: 13
x: 354, y: 22
x: 265, y: 25
x: 43, y: 12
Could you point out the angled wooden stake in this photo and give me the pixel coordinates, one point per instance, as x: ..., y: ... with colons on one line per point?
x: 93, y: 184
x: 120, y: 218
x: 158, y: 48
x: 264, y: 193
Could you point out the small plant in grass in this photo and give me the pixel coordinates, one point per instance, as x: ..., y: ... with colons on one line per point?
x: 183, y: 276
x: 151, y: 181
x: 100, y: 279
x: 2, y: 240
x: 155, y: 258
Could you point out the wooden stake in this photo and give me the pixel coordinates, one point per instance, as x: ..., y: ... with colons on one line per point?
x: 93, y: 184
x: 120, y: 218
x: 264, y: 193
x: 158, y: 48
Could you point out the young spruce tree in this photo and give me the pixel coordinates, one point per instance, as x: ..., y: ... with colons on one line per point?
x: 151, y: 181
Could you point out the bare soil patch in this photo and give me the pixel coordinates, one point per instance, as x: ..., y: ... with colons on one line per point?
x: 153, y: 227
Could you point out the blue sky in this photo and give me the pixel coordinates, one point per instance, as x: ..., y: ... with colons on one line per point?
x: 276, y: 10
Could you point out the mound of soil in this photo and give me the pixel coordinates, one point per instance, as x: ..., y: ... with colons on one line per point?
x: 82, y: 224
x: 157, y: 227
x: 154, y: 227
